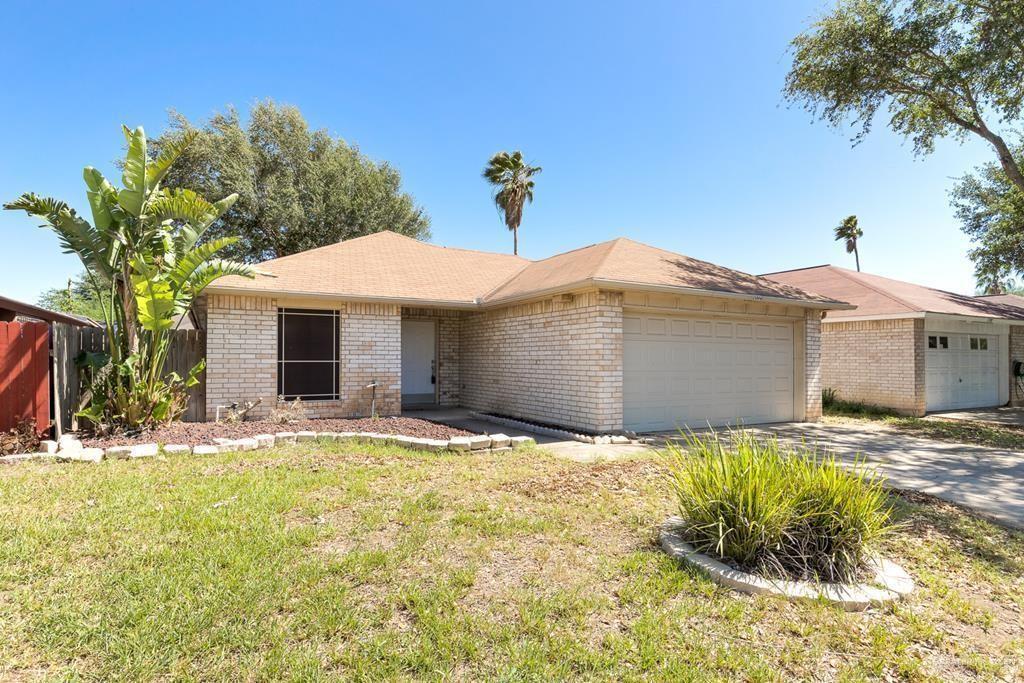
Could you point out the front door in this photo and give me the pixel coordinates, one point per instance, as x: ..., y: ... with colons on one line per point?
x: 419, y: 365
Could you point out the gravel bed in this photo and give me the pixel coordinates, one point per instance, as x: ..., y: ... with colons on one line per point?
x: 196, y: 433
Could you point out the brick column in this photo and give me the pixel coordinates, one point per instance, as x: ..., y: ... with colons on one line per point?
x: 812, y: 365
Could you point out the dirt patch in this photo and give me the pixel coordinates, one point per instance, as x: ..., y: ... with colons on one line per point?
x: 196, y: 433
x: 620, y: 477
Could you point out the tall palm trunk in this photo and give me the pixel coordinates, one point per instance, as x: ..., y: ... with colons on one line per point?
x: 515, y: 241
x: 856, y: 256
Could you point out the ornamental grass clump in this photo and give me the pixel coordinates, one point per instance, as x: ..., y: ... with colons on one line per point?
x: 778, y: 511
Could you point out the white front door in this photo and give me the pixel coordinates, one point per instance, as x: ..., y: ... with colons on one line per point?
x: 418, y: 362
x: 687, y: 372
x: 961, y: 370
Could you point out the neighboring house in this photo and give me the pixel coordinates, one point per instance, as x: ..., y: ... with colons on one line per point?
x: 911, y: 348
x: 611, y: 336
x: 11, y: 310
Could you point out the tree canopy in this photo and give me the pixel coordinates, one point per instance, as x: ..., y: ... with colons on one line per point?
x: 297, y: 188
x: 938, y: 68
x: 512, y: 180
x: 78, y: 298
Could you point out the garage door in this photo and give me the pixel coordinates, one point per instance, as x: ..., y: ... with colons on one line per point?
x: 961, y: 370
x: 681, y: 372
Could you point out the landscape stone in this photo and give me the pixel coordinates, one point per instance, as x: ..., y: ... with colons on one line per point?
x: 81, y: 455
x: 144, y: 450
x: 285, y: 437
x: 48, y: 446
x: 205, y: 449
x: 247, y: 444
x: 305, y: 436
x: 265, y: 440
x: 460, y: 443
x: 119, y: 452
x: 518, y: 441
x: 177, y: 449
x: 500, y: 440
x: 327, y: 436
x: 479, y: 441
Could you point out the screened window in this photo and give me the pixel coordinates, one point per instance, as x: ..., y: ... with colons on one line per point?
x: 307, y: 353
x: 979, y: 343
x: 935, y: 342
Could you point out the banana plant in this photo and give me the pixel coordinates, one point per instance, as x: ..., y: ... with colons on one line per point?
x: 145, y: 257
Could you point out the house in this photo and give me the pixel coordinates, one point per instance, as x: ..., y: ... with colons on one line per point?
x: 11, y: 310
x: 617, y: 335
x: 911, y: 348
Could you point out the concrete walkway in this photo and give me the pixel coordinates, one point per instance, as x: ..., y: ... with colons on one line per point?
x: 1010, y: 417
x: 989, y: 480
x: 572, y: 450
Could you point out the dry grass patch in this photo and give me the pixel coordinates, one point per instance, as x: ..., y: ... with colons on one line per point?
x: 369, y: 563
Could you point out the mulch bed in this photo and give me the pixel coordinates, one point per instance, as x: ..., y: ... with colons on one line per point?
x: 196, y: 433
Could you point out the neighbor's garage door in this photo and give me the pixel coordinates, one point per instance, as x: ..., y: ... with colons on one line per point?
x: 691, y: 371
x: 961, y: 370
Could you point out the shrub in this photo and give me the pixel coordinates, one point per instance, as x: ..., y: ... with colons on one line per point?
x: 829, y: 397
x: 774, y: 510
x: 286, y: 412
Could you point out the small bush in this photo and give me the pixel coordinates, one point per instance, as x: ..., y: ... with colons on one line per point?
x: 287, y: 411
x: 829, y: 397
x: 777, y: 511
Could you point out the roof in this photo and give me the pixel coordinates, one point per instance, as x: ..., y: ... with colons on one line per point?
x: 20, y: 308
x: 1004, y: 299
x: 879, y: 296
x: 624, y: 261
x: 383, y: 265
x: 391, y: 267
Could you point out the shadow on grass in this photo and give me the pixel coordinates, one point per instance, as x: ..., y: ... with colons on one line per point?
x: 976, y: 535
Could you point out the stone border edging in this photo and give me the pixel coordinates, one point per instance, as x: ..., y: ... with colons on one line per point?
x: 893, y: 581
x: 70, y: 449
x: 618, y: 439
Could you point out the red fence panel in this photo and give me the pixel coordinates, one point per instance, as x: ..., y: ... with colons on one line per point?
x: 24, y: 375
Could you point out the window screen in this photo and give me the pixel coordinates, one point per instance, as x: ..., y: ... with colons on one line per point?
x: 307, y: 353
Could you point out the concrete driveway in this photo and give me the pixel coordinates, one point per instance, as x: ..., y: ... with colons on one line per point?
x: 989, y: 480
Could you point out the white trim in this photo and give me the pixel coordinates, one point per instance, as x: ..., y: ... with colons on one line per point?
x: 536, y: 294
x: 861, y: 318
x: 952, y: 317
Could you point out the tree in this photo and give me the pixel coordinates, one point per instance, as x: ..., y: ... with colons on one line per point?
x: 144, y: 262
x: 78, y: 298
x: 848, y: 231
x: 938, y: 67
x: 512, y: 179
x: 297, y: 188
x: 991, y: 211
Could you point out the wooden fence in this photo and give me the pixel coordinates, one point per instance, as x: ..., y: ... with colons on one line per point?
x: 187, y: 348
x: 24, y: 375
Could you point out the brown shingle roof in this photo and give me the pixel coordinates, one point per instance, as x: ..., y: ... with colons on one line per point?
x: 625, y: 261
x: 874, y: 295
x: 386, y: 265
x: 1004, y: 299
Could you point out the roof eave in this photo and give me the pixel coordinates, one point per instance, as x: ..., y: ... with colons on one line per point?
x: 362, y: 298
x: 674, y: 289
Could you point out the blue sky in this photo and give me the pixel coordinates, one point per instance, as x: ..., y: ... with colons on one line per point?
x: 661, y: 121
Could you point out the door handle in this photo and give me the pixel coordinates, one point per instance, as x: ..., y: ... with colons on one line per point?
x: 433, y: 372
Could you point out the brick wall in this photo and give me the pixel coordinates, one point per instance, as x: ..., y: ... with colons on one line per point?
x: 879, y: 362
x: 241, y: 352
x: 812, y: 366
x: 557, y: 361
x: 448, y: 333
x: 1016, y: 354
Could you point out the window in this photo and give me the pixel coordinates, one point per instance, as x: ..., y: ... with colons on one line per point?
x: 933, y: 342
x: 943, y: 342
x: 307, y: 353
x: 979, y: 343
x: 974, y: 343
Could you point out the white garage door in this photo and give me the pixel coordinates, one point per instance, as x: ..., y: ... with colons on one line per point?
x: 961, y: 370
x: 680, y: 372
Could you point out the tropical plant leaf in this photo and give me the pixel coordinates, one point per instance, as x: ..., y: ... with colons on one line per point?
x: 171, y: 150
x: 182, y: 205
x: 213, y: 270
x: 76, y: 235
x: 133, y: 196
x: 187, y: 263
x: 154, y: 297
x: 101, y: 195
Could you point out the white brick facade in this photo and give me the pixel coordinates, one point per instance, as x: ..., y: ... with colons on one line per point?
x: 878, y: 362
x: 812, y: 366
x: 557, y: 361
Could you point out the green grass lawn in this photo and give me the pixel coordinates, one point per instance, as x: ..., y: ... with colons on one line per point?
x: 955, y: 431
x: 359, y: 562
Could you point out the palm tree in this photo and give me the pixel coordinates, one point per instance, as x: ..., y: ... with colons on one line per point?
x: 512, y: 179
x: 146, y: 263
x: 848, y: 230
